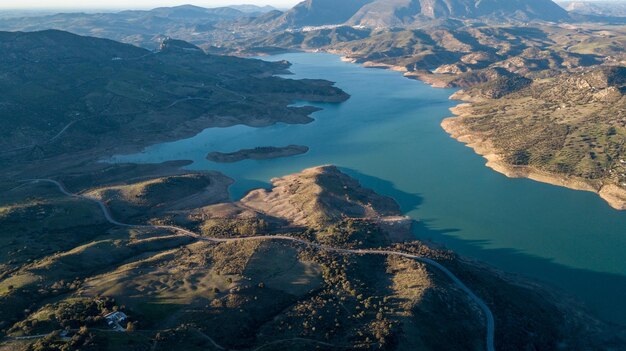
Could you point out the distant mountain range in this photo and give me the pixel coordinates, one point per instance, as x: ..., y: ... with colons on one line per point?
x: 253, y: 8
x: 213, y: 29
x: 596, y: 8
x: 391, y: 13
x: 139, y: 27
x: 320, y: 12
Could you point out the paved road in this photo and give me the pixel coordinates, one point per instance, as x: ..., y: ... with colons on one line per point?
x: 490, y: 326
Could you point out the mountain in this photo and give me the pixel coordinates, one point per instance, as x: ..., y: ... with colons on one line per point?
x: 320, y: 12
x: 138, y: 27
x: 253, y: 9
x: 390, y: 13
x: 595, y: 8
x: 191, y: 13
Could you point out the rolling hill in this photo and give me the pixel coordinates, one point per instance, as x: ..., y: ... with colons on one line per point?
x: 139, y: 27
x: 63, y: 93
x: 191, y: 293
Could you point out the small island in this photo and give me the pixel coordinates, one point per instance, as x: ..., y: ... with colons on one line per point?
x: 258, y: 153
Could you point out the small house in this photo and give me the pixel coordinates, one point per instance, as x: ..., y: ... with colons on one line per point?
x: 116, y: 319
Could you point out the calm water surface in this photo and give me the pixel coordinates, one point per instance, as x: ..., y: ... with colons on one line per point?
x: 388, y: 135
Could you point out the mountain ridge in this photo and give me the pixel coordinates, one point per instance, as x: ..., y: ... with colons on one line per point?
x: 390, y: 13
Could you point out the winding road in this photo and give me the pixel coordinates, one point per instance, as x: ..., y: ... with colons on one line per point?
x: 490, y: 321
x: 188, y: 98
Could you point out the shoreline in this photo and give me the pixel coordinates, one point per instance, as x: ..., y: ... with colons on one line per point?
x: 258, y: 153
x: 611, y: 193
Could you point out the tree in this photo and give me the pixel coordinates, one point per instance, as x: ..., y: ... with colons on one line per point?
x: 612, y: 131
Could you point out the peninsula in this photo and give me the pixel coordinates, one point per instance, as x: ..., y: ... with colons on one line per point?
x: 568, y: 130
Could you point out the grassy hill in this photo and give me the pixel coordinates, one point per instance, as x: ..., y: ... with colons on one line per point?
x: 66, y: 93
x: 182, y: 292
x: 69, y: 101
x: 567, y: 130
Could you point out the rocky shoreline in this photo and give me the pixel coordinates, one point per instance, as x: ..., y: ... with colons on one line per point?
x: 611, y: 193
x: 615, y: 196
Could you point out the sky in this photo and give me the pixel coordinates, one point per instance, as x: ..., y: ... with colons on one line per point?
x: 134, y: 4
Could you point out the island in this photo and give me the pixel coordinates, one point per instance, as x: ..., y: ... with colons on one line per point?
x: 258, y: 153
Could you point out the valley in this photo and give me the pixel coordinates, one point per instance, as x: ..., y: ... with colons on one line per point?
x: 225, y: 284
x: 158, y: 192
x: 493, y: 64
x: 420, y: 167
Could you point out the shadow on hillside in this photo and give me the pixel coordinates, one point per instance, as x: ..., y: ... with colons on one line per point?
x: 408, y: 202
x: 242, y: 187
x: 602, y: 293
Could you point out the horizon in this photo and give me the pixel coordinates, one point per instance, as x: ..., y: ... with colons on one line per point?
x: 77, y: 5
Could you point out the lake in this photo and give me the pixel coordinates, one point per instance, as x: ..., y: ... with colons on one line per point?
x: 388, y: 136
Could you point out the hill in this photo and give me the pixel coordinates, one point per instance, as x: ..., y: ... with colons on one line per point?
x: 183, y: 291
x: 63, y: 94
x: 454, y: 51
x: 139, y: 27
x: 319, y: 197
x: 568, y: 130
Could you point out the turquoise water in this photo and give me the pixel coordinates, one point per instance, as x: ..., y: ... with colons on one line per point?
x: 388, y: 135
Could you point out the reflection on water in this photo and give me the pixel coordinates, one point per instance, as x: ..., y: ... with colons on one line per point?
x: 388, y: 136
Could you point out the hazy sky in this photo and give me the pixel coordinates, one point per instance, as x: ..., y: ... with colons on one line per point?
x: 126, y: 4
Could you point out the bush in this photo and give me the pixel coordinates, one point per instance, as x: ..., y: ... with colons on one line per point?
x: 520, y: 158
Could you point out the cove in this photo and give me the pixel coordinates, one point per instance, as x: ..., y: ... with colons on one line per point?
x: 388, y: 136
